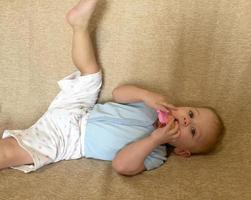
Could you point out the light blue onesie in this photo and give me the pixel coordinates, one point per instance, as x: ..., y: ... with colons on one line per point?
x: 112, y: 126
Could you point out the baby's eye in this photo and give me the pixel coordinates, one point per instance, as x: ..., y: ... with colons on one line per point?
x: 193, y: 131
x: 190, y: 113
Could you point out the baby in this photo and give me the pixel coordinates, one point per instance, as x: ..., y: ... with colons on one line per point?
x: 125, y: 131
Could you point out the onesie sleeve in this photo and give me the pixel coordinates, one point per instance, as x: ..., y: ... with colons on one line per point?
x: 156, y: 158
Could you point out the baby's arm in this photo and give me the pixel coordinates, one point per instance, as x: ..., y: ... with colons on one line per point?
x: 131, y: 93
x: 130, y: 160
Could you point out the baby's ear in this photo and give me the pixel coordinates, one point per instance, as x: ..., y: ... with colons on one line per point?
x: 182, y: 152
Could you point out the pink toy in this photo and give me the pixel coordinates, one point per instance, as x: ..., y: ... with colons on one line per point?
x: 163, y: 116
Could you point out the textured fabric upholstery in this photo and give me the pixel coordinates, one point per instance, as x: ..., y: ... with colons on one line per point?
x: 196, y: 52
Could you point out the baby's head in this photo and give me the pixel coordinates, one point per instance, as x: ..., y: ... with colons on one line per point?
x: 200, y: 130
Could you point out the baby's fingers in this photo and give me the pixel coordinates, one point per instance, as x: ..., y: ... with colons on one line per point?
x: 163, y: 108
x: 175, y: 129
x: 170, y: 106
x: 170, y: 124
x: 175, y: 133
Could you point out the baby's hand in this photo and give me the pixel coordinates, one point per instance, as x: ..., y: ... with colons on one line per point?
x: 158, y: 102
x: 166, y: 134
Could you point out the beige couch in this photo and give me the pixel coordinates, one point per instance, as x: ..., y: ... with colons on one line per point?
x: 196, y: 52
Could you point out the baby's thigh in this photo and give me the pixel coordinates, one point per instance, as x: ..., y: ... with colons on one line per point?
x: 13, y: 153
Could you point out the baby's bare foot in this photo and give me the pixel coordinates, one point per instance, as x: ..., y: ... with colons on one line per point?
x: 80, y: 14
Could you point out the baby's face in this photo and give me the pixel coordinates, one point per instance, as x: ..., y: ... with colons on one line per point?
x: 196, y: 126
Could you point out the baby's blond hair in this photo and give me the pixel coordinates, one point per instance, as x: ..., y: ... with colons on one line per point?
x: 211, y: 144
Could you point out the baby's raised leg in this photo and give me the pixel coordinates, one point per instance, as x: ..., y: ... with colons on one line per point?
x: 11, y: 154
x: 83, y: 55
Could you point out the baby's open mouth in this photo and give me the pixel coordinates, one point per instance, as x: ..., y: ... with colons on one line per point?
x: 176, y: 120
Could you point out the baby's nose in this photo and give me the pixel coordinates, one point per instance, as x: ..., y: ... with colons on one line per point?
x: 186, y: 121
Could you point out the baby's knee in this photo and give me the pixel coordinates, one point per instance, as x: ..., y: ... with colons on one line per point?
x: 7, y: 148
x: 13, y: 154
